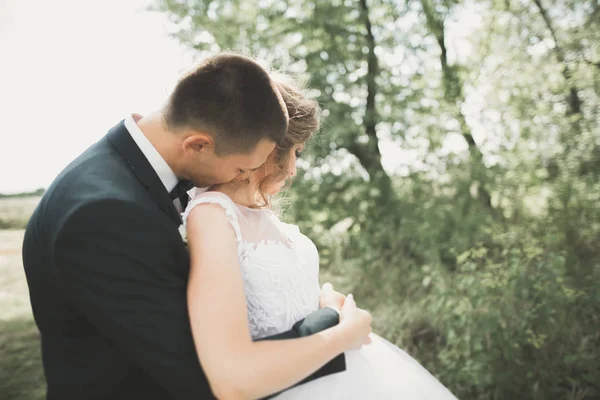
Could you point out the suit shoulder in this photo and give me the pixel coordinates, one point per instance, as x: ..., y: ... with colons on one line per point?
x: 99, y: 167
x: 98, y: 176
x: 99, y: 172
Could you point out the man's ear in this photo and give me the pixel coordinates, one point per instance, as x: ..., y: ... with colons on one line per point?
x: 197, y: 142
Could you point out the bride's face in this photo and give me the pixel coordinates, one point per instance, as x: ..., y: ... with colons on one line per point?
x: 271, y: 167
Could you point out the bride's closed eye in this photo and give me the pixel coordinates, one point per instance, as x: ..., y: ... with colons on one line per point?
x: 298, y: 153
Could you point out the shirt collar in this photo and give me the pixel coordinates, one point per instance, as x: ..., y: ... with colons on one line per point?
x: 162, y: 169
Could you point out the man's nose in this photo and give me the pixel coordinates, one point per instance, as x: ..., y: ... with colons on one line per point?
x: 242, y: 176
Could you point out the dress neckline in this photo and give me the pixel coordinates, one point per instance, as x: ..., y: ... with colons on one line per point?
x: 238, y: 204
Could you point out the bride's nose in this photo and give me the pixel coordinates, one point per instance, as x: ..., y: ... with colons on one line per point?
x: 292, y: 167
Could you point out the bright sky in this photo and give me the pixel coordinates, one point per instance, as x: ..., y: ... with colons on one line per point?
x: 71, y: 70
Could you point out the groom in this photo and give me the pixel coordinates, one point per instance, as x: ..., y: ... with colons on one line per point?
x: 106, y: 266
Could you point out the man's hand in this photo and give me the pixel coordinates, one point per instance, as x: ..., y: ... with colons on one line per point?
x: 331, y: 298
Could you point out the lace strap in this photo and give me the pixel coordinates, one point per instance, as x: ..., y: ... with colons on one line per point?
x: 222, y: 200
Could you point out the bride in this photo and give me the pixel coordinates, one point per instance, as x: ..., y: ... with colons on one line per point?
x: 253, y: 276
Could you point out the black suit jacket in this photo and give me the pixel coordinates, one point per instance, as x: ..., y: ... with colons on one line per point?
x: 107, y: 274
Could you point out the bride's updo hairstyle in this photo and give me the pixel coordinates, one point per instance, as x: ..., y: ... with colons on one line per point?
x: 304, y: 121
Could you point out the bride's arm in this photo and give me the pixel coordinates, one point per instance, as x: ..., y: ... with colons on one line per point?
x: 235, y: 366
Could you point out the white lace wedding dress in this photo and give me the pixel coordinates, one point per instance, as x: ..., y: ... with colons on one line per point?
x: 280, y: 268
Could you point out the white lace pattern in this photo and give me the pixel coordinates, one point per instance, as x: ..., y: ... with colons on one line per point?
x: 280, y: 269
x: 279, y: 265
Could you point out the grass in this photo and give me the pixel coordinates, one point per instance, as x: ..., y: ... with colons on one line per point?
x: 21, y: 374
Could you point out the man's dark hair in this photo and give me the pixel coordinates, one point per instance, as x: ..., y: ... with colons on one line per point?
x: 232, y: 98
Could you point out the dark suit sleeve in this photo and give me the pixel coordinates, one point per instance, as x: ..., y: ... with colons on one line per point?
x: 115, y: 262
x: 313, y: 323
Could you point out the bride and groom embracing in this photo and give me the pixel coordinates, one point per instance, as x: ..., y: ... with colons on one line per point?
x: 129, y: 310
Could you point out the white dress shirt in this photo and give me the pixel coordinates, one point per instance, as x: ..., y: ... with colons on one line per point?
x: 164, y: 172
x: 162, y: 169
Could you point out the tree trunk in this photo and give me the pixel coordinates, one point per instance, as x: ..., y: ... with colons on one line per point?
x: 368, y: 153
x: 455, y: 97
x: 573, y: 97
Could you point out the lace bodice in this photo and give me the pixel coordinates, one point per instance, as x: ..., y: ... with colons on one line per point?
x: 279, y: 265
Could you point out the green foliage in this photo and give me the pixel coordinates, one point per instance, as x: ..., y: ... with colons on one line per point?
x: 35, y: 193
x: 478, y: 251
x: 15, y: 211
x: 21, y: 375
x: 481, y: 254
x: 514, y: 324
x: 13, y: 224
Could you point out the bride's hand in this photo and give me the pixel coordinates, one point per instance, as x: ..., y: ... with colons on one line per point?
x: 356, y: 322
x: 331, y: 298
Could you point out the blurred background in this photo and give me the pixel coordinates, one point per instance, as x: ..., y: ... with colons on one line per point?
x: 454, y: 187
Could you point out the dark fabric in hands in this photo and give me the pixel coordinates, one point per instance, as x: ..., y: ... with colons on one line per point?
x: 314, y: 323
x: 107, y: 274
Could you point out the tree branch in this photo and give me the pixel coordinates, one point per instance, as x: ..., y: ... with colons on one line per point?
x: 454, y: 95
x: 573, y: 97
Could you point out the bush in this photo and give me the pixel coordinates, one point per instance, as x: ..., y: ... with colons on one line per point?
x: 16, y: 211
x: 6, y: 223
x: 514, y: 325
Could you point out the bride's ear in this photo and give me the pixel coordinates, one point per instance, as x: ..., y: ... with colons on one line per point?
x: 198, y: 142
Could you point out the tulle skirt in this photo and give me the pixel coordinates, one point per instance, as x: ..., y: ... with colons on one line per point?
x: 379, y: 370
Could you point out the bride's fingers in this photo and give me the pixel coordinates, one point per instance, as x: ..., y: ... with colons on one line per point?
x: 327, y: 287
x: 349, y: 302
x: 358, y: 345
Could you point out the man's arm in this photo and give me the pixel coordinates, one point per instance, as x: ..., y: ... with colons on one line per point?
x: 327, y: 316
x: 331, y: 302
x: 316, y: 321
x: 115, y: 262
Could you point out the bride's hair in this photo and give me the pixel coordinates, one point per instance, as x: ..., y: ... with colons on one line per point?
x: 304, y: 121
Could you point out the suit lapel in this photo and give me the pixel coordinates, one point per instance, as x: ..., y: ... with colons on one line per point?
x: 129, y: 150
